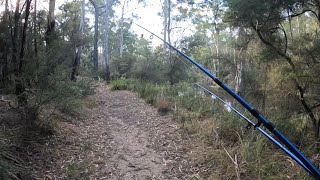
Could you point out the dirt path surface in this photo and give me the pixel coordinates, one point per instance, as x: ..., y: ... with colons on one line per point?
x: 124, y: 123
x: 121, y: 137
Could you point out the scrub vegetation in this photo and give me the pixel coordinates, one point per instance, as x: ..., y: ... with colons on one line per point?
x: 60, y: 66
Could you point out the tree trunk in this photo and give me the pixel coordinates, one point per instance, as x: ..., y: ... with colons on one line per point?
x: 121, y: 29
x: 5, y: 67
x: 20, y: 87
x: 169, y: 27
x: 167, y: 30
x: 264, y: 98
x: 95, y: 46
x: 78, y: 48
x: 14, y: 38
x: 6, y: 12
x: 51, y: 23
x: 35, y: 32
x: 169, y: 20
x: 239, y: 78
x: 106, y: 42
x: 96, y: 33
x: 216, y: 60
x: 244, y: 40
x: 215, y: 36
x: 23, y: 38
x: 165, y: 23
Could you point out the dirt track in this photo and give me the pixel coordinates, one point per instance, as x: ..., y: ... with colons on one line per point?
x: 121, y: 137
x: 126, y: 136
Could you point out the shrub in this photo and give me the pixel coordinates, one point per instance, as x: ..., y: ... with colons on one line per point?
x: 119, y: 84
x: 162, y: 104
x: 57, y: 92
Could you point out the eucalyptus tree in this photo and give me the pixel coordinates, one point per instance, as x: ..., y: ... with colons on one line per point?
x: 18, y: 57
x: 14, y: 39
x: 23, y: 36
x: 4, y: 69
x: 96, y: 33
x: 166, y: 20
x: 106, y: 40
x: 51, y: 22
x: 272, y: 23
x: 211, y: 41
x: 124, y: 5
x: 35, y: 31
x: 79, y: 45
x: 167, y: 24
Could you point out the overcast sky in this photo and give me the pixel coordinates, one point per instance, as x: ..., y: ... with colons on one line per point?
x: 148, y: 18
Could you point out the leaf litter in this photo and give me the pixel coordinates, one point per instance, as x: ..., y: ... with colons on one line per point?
x: 121, y: 138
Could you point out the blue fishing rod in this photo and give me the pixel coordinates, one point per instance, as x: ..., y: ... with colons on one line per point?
x: 251, y: 123
x: 299, y: 156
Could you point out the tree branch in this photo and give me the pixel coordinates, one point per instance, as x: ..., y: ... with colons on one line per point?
x: 94, y: 4
x: 298, y: 14
x: 285, y: 37
x: 307, y: 108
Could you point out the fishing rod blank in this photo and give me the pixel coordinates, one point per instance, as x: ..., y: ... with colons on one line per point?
x: 251, y: 123
x: 261, y: 119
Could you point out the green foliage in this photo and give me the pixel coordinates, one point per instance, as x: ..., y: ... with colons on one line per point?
x: 55, y: 91
x: 163, y: 79
x: 149, y: 92
x: 181, y: 94
x: 250, y: 11
x: 119, y: 84
x: 150, y: 69
x: 190, y: 98
x: 202, y: 116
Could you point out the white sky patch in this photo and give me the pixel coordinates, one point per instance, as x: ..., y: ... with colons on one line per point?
x: 148, y: 18
x: 59, y: 3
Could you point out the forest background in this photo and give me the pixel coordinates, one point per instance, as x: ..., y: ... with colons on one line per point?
x: 267, y: 51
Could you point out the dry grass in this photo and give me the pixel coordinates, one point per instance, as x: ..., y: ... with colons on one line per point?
x: 162, y: 104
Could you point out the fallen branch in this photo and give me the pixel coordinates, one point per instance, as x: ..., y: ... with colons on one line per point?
x: 235, y: 162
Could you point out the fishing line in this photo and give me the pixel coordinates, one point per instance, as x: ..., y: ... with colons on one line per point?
x: 299, y: 157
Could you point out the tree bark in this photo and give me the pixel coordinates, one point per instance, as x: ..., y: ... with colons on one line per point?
x: 106, y: 42
x: 19, y: 81
x: 6, y: 12
x: 169, y: 20
x: 165, y: 23
x: 14, y: 57
x: 5, y: 68
x: 96, y: 33
x: 169, y: 28
x: 51, y: 23
x: 78, y: 48
x: 35, y: 32
x: 23, y: 38
x: 121, y: 29
x: 239, y: 78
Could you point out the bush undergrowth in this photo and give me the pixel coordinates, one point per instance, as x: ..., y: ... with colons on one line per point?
x: 199, y: 114
x: 36, y: 120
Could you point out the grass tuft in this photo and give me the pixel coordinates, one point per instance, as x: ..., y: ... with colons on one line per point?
x: 162, y: 104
